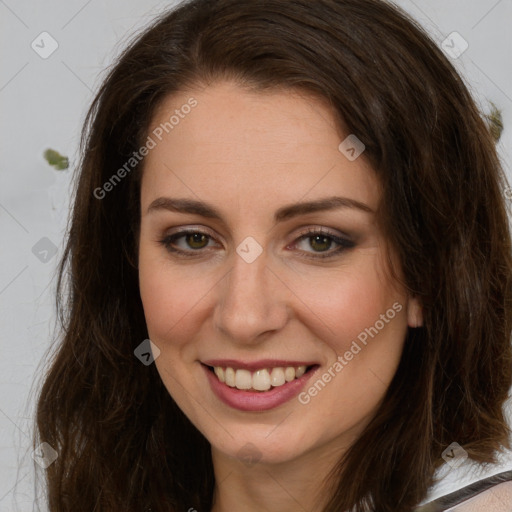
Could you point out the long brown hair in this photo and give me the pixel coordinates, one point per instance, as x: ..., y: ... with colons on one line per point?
x: 122, y: 442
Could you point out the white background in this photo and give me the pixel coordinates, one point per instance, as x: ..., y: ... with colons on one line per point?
x: 43, y: 103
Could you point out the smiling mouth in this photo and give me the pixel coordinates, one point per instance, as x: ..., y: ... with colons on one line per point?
x: 259, y: 380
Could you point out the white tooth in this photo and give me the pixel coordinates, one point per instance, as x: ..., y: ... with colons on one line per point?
x: 261, y: 380
x: 289, y: 373
x: 300, y: 371
x: 243, y: 379
x: 277, y: 377
x: 220, y: 373
x: 229, y: 377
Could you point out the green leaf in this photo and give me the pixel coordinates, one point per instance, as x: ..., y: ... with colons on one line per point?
x: 55, y: 159
x: 495, y: 122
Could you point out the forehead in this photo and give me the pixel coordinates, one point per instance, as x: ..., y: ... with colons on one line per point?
x: 251, y: 146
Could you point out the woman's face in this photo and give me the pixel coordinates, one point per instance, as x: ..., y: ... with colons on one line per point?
x: 261, y: 257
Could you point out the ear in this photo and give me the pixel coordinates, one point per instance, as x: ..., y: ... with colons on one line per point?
x: 414, y: 312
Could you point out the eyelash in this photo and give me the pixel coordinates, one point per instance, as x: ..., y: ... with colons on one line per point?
x: 343, y: 243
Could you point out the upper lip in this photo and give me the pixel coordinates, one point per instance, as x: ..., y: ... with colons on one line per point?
x: 255, y: 365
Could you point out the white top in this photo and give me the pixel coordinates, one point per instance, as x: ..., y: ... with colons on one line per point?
x: 492, y: 493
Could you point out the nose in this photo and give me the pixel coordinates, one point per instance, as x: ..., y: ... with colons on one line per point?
x: 251, y: 301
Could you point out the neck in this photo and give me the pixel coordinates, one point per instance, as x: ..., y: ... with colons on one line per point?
x: 289, y: 486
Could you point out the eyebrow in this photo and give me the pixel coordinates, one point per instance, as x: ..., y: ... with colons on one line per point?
x: 287, y: 212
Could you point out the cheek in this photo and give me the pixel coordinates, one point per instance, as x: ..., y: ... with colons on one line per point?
x: 169, y: 298
x: 347, y: 301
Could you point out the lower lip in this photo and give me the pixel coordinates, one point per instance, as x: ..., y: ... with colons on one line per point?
x: 257, y: 400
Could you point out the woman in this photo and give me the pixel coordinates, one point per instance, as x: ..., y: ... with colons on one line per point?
x: 299, y: 204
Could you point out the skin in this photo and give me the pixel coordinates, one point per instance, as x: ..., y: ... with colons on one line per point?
x: 248, y: 154
x: 492, y: 500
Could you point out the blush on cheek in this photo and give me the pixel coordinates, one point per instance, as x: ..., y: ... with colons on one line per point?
x: 341, y: 308
x: 171, y: 317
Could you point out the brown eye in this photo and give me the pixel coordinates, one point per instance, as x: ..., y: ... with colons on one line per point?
x: 197, y: 240
x: 320, y: 242
x: 185, y: 242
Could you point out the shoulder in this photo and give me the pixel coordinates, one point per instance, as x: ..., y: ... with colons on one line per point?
x: 495, y: 499
x: 492, y: 494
